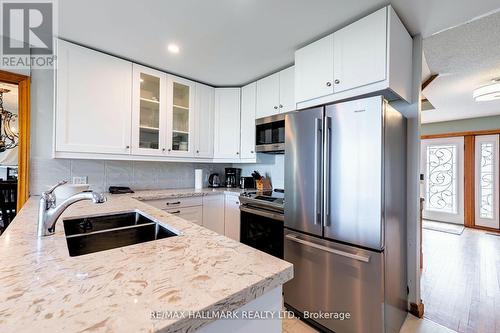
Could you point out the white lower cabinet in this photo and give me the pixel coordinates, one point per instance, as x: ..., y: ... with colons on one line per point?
x: 213, y: 213
x: 232, y: 217
x: 191, y: 214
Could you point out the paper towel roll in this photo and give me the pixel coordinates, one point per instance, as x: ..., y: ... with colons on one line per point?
x: 198, y: 178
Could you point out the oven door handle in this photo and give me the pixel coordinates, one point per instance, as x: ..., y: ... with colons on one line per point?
x: 295, y: 238
x: 263, y: 213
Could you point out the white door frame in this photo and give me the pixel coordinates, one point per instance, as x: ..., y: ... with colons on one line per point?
x: 480, y: 219
x: 458, y: 216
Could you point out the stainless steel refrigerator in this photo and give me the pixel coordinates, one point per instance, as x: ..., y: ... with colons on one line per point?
x: 345, y: 215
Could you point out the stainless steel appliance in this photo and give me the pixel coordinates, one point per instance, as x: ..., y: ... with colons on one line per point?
x: 214, y: 180
x: 345, y: 233
x: 247, y: 183
x: 270, y: 134
x: 261, y: 221
x: 232, y: 176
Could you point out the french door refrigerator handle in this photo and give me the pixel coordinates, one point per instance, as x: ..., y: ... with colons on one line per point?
x: 326, y: 159
x: 318, y: 145
x: 358, y: 257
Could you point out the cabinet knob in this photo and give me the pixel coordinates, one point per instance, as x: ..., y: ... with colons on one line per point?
x: 197, y: 152
x: 337, y: 81
x: 251, y: 151
x: 328, y: 84
x: 275, y: 107
x: 163, y: 149
x: 237, y: 153
x: 127, y: 147
x: 169, y: 149
x: 281, y: 106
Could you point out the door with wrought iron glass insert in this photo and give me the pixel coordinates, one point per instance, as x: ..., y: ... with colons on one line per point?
x: 442, y: 166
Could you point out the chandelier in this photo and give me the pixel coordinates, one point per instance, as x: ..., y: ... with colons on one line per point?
x: 9, y: 135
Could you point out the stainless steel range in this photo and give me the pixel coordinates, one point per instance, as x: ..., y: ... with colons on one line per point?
x: 262, y: 216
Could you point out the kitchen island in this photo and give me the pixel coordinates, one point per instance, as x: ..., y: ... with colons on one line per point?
x: 176, y: 284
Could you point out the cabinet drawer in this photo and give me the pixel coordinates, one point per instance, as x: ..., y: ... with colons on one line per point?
x: 175, y: 202
x: 191, y: 214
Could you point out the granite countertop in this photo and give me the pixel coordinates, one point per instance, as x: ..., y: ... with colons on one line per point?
x: 116, y: 290
x: 183, y: 193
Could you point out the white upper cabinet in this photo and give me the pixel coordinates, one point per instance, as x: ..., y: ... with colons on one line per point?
x: 314, y: 70
x: 287, y: 89
x: 276, y: 93
x: 268, y: 95
x: 359, y: 52
x: 248, y: 107
x: 371, y: 55
x: 180, y: 116
x: 227, y: 123
x: 149, y: 111
x: 204, y: 121
x: 93, y: 101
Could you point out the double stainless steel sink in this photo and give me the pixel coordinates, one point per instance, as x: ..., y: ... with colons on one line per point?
x: 98, y: 233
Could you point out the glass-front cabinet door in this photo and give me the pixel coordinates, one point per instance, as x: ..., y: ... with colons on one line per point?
x: 149, y: 120
x: 180, y: 116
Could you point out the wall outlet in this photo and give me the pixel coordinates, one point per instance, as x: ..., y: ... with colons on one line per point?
x: 80, y: 180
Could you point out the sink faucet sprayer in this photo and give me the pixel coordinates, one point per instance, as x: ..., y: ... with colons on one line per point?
x: 48, y: 212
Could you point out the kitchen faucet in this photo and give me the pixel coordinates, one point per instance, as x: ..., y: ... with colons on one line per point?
x: 48, y: 212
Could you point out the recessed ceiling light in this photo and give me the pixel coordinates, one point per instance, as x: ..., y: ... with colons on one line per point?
x: 173, y: 48
x: 489, y: 92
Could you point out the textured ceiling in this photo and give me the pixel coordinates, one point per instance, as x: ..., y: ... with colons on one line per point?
x: 231, y: 42
x: 465, y: 58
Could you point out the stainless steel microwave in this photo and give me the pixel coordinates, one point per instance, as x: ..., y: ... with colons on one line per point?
x: 270, y: 134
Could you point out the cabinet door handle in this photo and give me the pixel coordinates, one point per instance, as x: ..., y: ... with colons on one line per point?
x: 328, y: 84
x: 275, y: 107
x: 173, y: 203
x: 176, y: 212
x: 337, y: 81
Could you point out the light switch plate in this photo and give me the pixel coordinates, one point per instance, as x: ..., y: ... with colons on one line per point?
x: 80, y: 180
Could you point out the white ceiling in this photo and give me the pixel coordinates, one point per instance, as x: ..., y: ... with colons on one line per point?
x: 465, y: 58
x: 232, y: 42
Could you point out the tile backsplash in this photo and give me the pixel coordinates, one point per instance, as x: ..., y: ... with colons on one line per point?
x: 101, y: 174
x: 272, y: 166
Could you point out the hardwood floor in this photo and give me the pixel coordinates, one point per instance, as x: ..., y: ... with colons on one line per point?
x: 461, y: 280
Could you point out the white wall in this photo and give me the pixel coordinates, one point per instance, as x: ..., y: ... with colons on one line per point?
x: 272, y: 166
x: 46, y: 171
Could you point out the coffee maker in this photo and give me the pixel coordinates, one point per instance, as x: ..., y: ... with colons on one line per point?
x: 232, y: 177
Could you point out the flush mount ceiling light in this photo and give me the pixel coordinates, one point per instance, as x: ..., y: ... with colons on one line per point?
x: 173, y: 48
x: 489, y: 92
